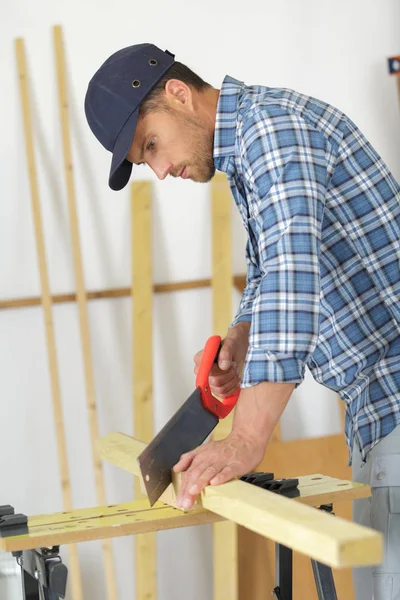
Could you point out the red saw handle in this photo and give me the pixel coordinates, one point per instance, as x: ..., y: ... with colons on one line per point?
x: 219, y: 408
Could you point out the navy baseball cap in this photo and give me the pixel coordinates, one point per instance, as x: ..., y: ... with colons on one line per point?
x: 113, y: 99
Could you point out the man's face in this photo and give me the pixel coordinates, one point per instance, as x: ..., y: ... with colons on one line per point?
x: 174, y: 143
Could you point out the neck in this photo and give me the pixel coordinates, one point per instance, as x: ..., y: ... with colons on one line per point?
x: 208, y: 103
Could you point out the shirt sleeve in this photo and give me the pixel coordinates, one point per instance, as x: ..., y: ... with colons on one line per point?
x: 284, y: 162
x: 244, y: 312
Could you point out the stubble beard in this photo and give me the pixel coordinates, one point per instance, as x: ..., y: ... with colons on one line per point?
x: 202, y: 160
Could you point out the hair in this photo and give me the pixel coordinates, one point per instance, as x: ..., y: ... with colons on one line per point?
x: 153, y: 100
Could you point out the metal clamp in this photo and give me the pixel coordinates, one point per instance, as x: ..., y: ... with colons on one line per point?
x: 10, y: 523
x: 284, y: 487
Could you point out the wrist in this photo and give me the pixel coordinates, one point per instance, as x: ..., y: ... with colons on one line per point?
x: 239, y: 330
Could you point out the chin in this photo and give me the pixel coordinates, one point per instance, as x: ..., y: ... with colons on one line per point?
x: 204, y: 177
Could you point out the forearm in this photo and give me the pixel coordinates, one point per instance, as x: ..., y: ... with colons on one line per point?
x: 259, y: 409
x: 240, y: 331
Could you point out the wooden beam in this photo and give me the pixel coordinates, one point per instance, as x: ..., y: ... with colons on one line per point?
x: 122, y: 451
x: 46, y: 301
x: 123, y: 292
x: 225, y: 535
x: 103, y: 522
x: 328, y: 455
x: 145, y: 545
x: 109, y: 568
x: 331, y: 540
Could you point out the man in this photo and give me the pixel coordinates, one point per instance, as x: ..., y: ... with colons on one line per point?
x: 322, y: 213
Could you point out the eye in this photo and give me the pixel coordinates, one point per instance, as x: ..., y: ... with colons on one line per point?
x: 151, y: 145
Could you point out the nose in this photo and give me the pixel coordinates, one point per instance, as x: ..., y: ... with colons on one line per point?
x: 160, y: 167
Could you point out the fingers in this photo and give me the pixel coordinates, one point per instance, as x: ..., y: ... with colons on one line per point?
x: 225, y: 357
x: 226, y: 384
x: 222, y: 383
x: 184, y: 462
x: 217, y: 462
x: 223, y: 476
x: 194, y: 481
x: 208, y: 463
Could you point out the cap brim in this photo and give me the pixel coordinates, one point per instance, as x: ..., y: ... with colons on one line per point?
x: 121, y: 168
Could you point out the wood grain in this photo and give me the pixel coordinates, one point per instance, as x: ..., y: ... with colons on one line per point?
x: 142, y: 317
x: 333, y: 541
x: 46, y: 301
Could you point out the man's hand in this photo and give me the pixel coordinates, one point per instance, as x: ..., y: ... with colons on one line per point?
x: 216, y: 462
x: 257, y: 412
x: 225, y: 378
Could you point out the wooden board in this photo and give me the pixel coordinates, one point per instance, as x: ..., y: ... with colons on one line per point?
x: 225, y: 535
x: 239, y: 282
x: 335, y: 542
x: 257, y: 554
x: 142, y: 313
x: 321, y: 536
x: 103, y: 522
x: 315, y: 489
x: 46, y: 301
x: 332, y: 540
x: 63, y: 100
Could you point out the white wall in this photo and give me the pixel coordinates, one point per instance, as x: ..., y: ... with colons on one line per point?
x: 334, y: 50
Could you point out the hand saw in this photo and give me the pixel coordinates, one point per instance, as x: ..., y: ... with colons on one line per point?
x: 187, y: 428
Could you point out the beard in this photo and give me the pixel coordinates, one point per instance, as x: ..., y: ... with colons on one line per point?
x: 201, y: 161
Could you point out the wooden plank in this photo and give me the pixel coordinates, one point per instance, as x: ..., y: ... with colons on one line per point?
x: 145, y: 545
x: 46, y: 302
x: 334, y: 541
x: 331, y: 540
x: 122, y: 451
x: 225, y: 550
x: 109, y: 568
x: 315, y: 489
x: 123, y: 292
x: 257, y: 555
x: 131, y: 518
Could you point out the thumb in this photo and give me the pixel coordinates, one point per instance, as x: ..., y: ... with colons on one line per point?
x: 225, y: 357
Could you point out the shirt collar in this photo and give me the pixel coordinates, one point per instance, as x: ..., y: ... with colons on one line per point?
x: 226, y: 117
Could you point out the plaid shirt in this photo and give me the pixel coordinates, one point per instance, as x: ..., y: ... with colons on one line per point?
x: 322, y: 213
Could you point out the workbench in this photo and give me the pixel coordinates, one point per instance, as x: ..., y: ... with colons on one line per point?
x: 293, y: 523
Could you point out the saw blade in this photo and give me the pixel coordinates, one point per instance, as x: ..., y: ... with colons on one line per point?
x: 187, y: 429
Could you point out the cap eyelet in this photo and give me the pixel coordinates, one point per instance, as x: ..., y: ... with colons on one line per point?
x: 136, y: 83
x: 153, y: 62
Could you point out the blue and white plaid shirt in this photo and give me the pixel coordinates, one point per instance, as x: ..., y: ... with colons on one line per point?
x: 322, y: 213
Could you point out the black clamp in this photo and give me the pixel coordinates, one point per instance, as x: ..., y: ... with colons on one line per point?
x: 10, y: 523
x: 44, y: 576
x: 284, y: 487
x: 43, y: 573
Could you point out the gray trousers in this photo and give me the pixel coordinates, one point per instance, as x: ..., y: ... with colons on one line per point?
x: 381, y: 512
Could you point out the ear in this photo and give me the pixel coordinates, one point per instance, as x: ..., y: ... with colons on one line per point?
x: 178, y: 94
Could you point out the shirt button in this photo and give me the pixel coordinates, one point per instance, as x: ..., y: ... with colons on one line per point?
x: 381, y: 475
